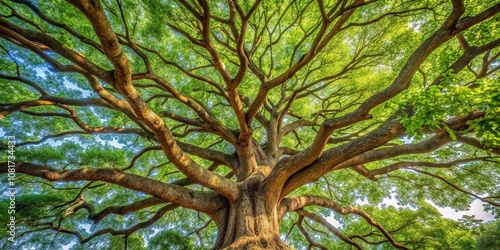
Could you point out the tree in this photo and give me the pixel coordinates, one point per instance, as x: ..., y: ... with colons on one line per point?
x: 488, y: 235
x: 248, y: 125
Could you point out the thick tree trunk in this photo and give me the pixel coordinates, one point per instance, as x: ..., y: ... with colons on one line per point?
x: 246, y: 225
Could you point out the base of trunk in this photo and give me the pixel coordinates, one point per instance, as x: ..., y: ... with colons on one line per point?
x: 249, y: 223
x: 258, y: 243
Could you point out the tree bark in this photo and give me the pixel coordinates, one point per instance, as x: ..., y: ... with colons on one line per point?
x: 246, y: 224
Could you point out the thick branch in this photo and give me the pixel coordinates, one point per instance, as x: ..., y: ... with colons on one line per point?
x: 201, y: 201
x: 340, y: 156
x: 123, y: 82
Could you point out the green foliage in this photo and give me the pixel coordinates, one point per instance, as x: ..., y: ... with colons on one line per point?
x: 171, y: 239
x: 31, y: 206
x: 489, y: 235
x: 488, y: 127
x: 430, y: 108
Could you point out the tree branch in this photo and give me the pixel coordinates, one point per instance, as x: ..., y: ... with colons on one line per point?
x: 297, y: 203
x: 329, y: 226
x: 119, y: 210
x: 449, y: 183
x: 123, y: 82
x: 201, y: 201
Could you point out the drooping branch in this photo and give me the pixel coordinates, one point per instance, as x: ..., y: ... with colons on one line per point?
x: 329, y: 226
x: 125, y: 232
x: 138, y: 155
x: 300, y: 225
x: 297, y: 203
x: 363, y: 237
x: 371, y: 174
x: 388, y: 14
x: 65, y: 133
x: 350, y: 136
x: 53, y: 226
x: 449, y: 183
x: 200, y: 201
x: 119, y: 210
x: 128, y: 231
x: 476, y: 143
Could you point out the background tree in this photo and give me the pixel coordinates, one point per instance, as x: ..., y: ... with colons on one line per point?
x: 238, y: 124
x: 488, y: 235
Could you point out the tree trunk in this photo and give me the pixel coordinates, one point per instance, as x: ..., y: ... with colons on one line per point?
x: 246, y: 225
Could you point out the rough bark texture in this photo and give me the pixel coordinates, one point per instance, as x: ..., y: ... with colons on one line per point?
x: 247, y: 225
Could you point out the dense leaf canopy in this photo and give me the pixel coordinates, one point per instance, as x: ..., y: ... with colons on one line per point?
x: 154, y: 124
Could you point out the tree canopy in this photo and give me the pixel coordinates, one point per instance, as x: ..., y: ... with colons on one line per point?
x: 162, y: 124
